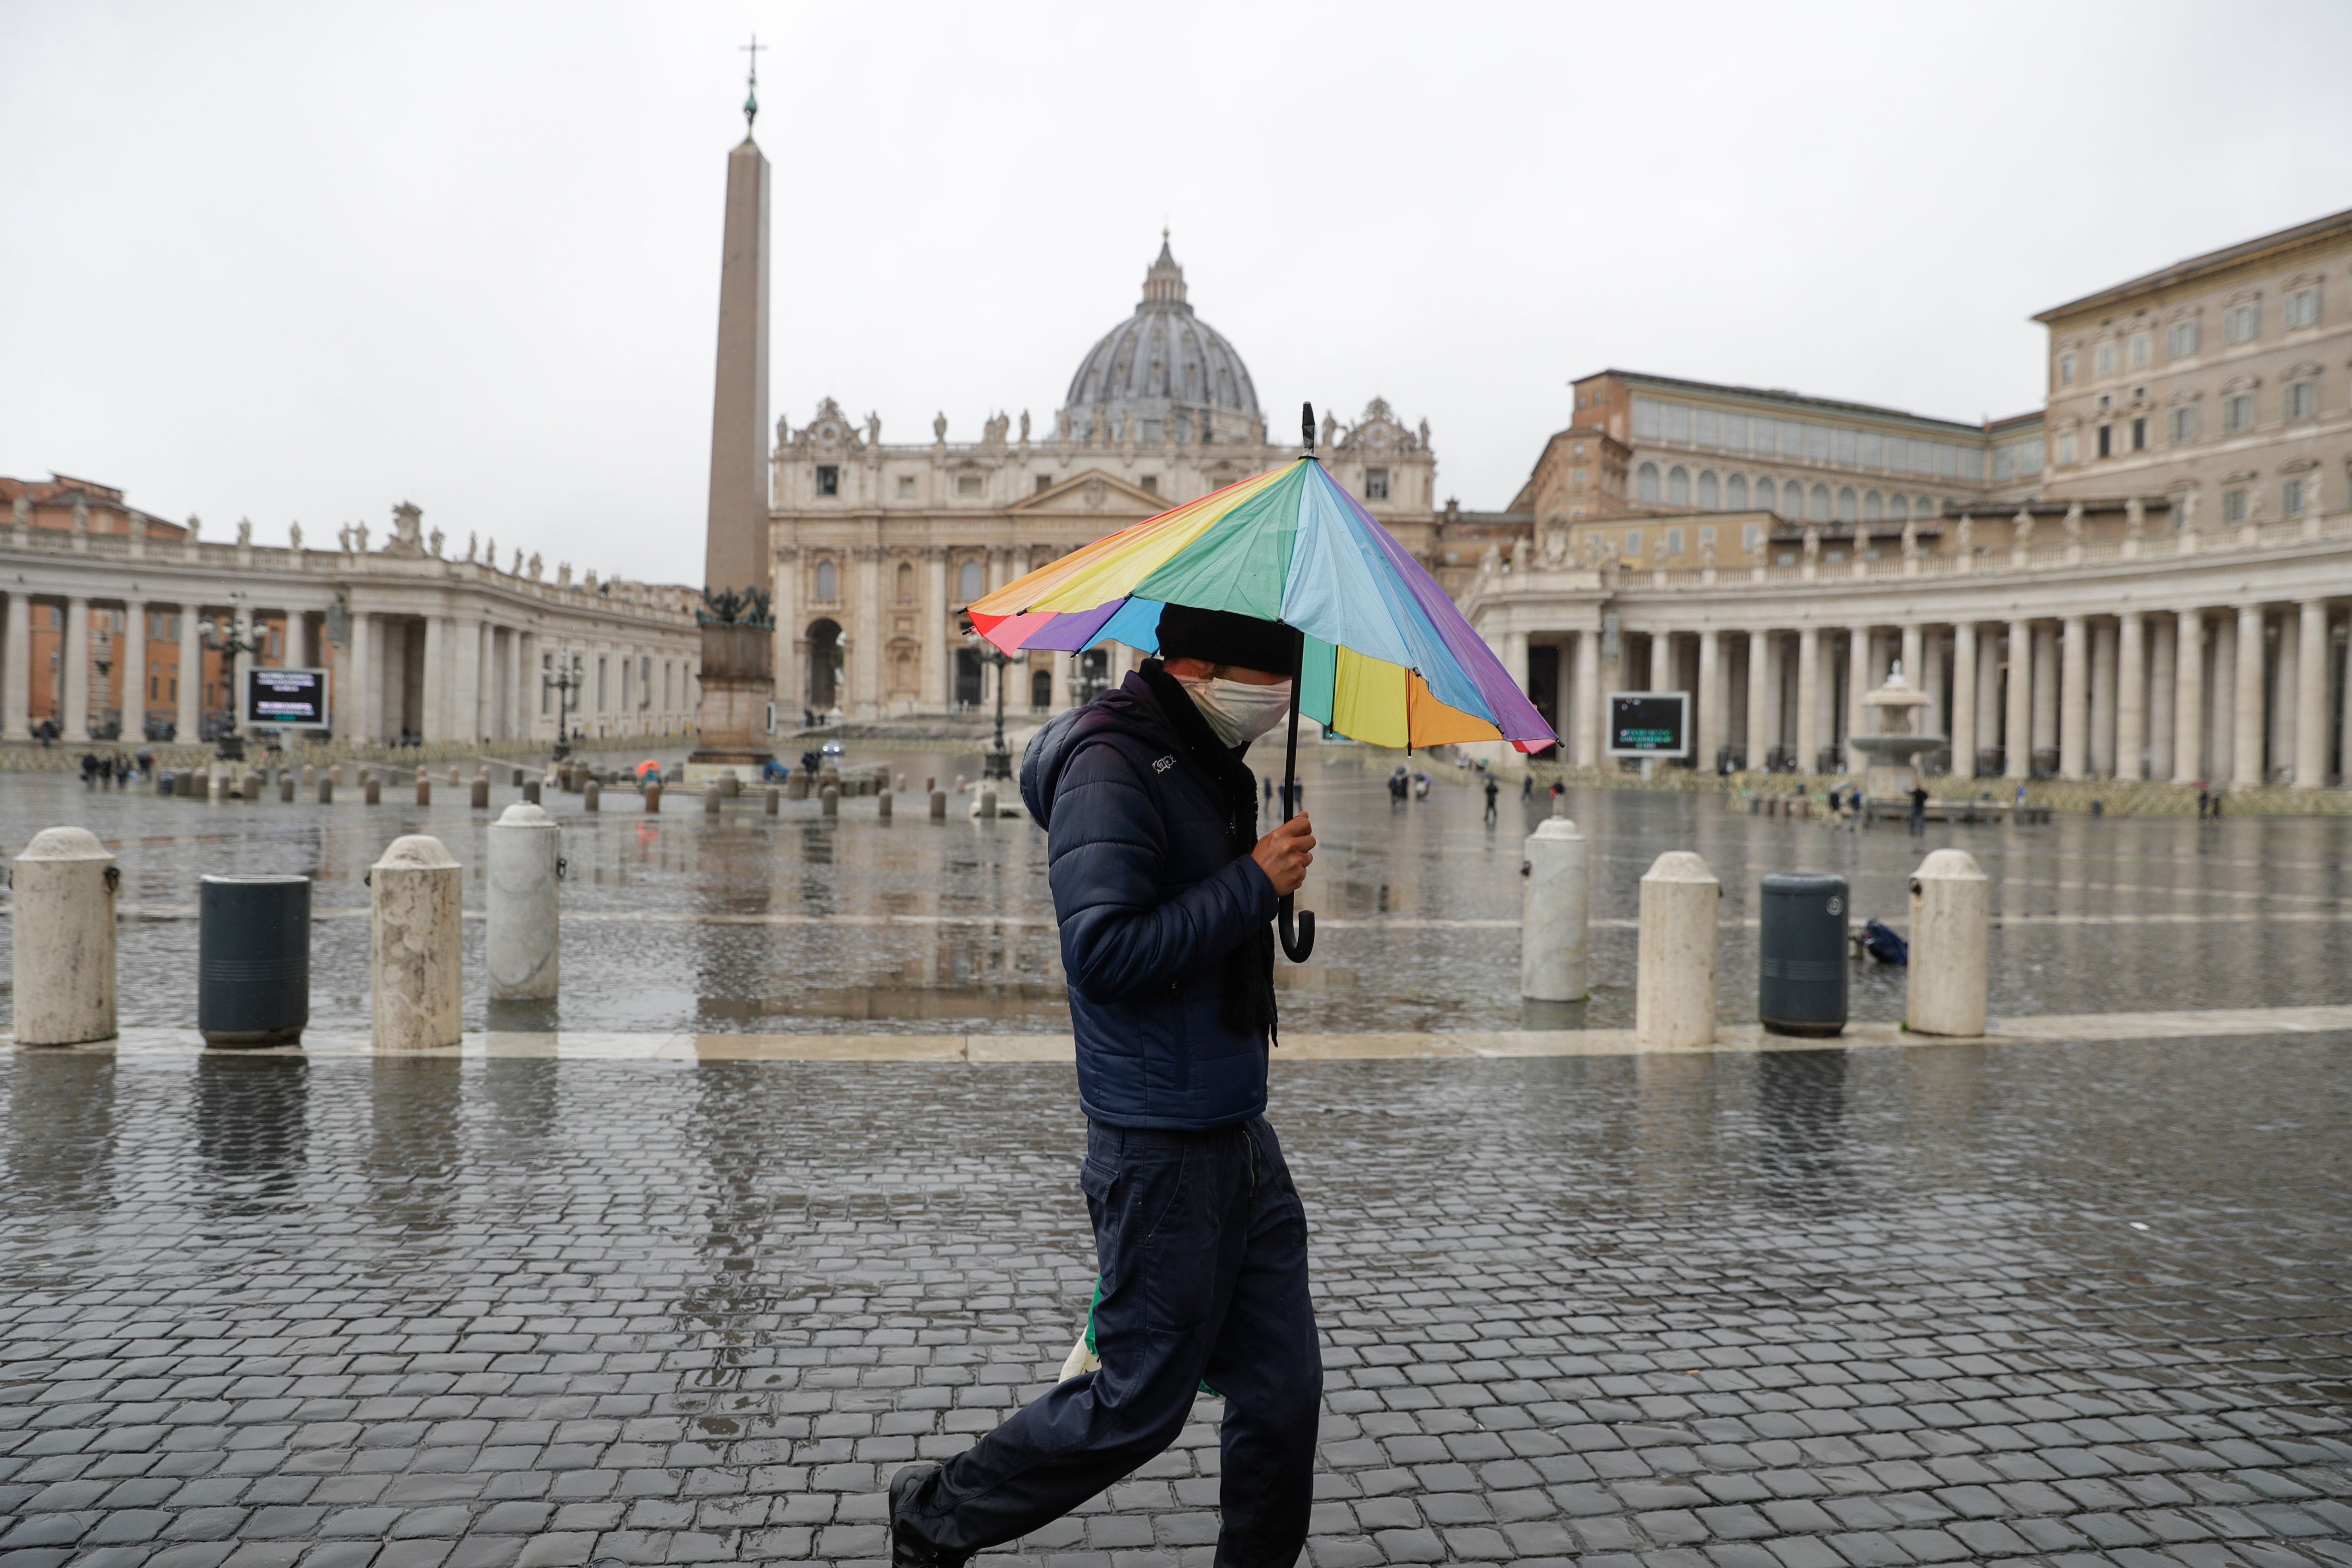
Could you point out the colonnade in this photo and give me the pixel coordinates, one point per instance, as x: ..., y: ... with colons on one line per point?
x: 2243, y: 693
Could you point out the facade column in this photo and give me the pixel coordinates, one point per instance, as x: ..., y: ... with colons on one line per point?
x: 297, y: 639
x: 1714, y: 713
x: 1964, y: 699
x: 2099, y: 737
x: 2076, y: 699
x: 2311, y: 699
x: 2282, y: 664
x: 2017, y: 733
x: 1988, y: 708
x: 2221, y: 719
x: 74, y: 718
x: 1058, y: 666
x: 16, y: 708
x: 871, y: 692
x: 2189, y: 697
x: 525, y: 672
x: 2048, y: 685
x: 1809, y: 698
x: 1588, y: 699
x: 431, y: 718
x: 1928, y: 675
x: 2246, y: 701
x: 465, y: 694
x: 1515, y: 657
x: 1763, y: 699
x: 2131, y: 696
x: 1915, y: 663
x: 936, y: 634
x: 2163, y: 670
x: 1858, y: 683
x: 191, y: 713
x: 132, y: 656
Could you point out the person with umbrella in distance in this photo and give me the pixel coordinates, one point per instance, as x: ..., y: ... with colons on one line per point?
x: 1165, y: 892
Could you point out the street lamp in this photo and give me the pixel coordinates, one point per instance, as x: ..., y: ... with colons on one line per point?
x: 565, y: 685
x: 998, y: 763
x: 230, y: 639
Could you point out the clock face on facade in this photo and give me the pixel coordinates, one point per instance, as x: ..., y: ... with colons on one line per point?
x: 828, y: 432
x: 1379, y: 437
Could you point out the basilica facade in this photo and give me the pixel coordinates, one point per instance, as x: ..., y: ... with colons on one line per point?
x: 879, y: 546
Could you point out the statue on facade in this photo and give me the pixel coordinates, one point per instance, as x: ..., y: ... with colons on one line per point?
x: 81, y: 514
x: 1425, y: 435
x: 294, y: 536
x: 588, y: 584
x: 939, y: 429
x: 1330, y: 430
x: 1707, y: 553
x: 1965, y: 535
x: 1910, y: 541
x: 20, y: 511
x: 564, y: 574
x: 1025, y: 427
x: 1518, y: 557
x: 436, y: 543
x: 490, y: 554
x: 2073, y: 522
x: 995, y: 431
x: 195, y: 527
x: 1490, y: 561
x: 1555, y: 550
x: 2134, y: 517
x: 1062, y: 425
x: 535, y: 568
x: 244, y: 531
x: 1813, y: 544
x: 472, y: 539
x: 873, y: 429
x: 2184, y: 512
x: 2020, y: 529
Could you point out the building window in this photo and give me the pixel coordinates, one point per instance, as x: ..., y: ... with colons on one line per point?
x: 967, y: 484
x: 2065, y: 369
x: 1711, y: 427
x: 828, y: 582
x: 906, y: 487
x: 1819, y: 508
x: 905, y: 583
x: 1150, y: 483
x: 1898, y: 507
x: 2301, y: 399
x: 1705, y: 536
x: 1678, y: 424
x: 1874, y: 506
x: 1710, y: 493
x: 1817, y: 443
x: 1874, y: 450
x: 2103, y: 359
x: 1898, y: 454
x: 1734, y: 492
x: 2303, y: 307
x: 2238, y: 412
x: 968, y: 581
x: 2184, y: 425
x: 2291, y: 498
x: 1751, y: 537
x: 2139, y: 435
x: 2233, y: 506
x: 1376, y: 484
x: 2243, y: 323
x: 1767, y: 496
x: 1044, y: 482
x: 1679, y: 486
x: 1632, y: 551
x: 1847, y: 505
x: 828, y: 479
x: 1848, y: 446
x: 2138, y: 350
x: 1576, y: 477
x: 2182, y: 341
x: 1673, y: 543
x: 2066, y: 449
x: 1645, y: 418
x: 1645, y: 482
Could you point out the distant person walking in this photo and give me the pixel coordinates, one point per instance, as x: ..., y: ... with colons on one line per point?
x: 1527, y: 785
x: 1919, y: 811
x: 1494, y: 791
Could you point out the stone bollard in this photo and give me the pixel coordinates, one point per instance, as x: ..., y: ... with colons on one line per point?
x: 591, y: 794
x: 900, y: 783
x: 729, y: 786
x: 531, y: 791
x: 286, y: 786
x: 310, y: 774
x: 939, y: 804
x: 882, y: 806
x: 414, y: 947
x: 711, y: 798
x: 960, y: 782
x: 327, y: 791
x: 1555, y: 910
x: 526, y: 868
x: 1951, y: 915
x: 828, y: 800
x: 653, y: 797
x: 190, y: 780
x: 251, y: 785
x: 481, y: 795
x: 771, y: 796
x: 65, y: 886
x: 371, y: 789
x: 216, y: 783
x: 514, y: 777
x: 796, y: 785
x: 1673, y: 979
x: 423, y: 788
x: 983, y: 803
x: 454, y: 780
x: 930, y: 783
x: 335, y: 773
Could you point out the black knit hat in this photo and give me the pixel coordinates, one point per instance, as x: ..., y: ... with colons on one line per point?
x: 1220, y: 636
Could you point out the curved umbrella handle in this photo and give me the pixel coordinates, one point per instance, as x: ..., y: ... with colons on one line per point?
x: 1300, y: 943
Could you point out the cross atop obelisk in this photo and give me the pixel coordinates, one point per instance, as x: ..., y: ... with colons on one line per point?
x: 751, y: 91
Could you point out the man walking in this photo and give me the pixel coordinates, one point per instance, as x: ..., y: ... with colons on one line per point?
x: 1164, y: 891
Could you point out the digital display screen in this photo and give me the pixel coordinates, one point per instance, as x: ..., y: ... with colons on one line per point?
x: 1649, y: 723
x: 291, y: 699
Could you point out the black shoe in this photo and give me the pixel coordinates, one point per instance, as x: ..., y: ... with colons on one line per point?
x: 908, y: 1550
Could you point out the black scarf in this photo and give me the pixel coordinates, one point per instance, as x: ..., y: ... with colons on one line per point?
x: 1249, y: 971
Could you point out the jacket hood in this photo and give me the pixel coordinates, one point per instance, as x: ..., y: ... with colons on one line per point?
x: 1126, y: 709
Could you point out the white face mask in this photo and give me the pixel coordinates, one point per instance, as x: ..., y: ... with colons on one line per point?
x: 1238, y: 711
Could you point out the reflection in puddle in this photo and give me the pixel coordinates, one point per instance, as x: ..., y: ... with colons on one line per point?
x: 1045, y: 1004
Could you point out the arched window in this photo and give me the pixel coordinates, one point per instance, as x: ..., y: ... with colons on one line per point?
x: 1679, y: 486
x: 1874, y: 506
x: 967, y: 581
x: 1924, y: 507
x: 1768, y: 495
x: 1848, y: 506
x: 1710, y: 495
x: 905, y: 583
x: 1645, y: 482
x: 1901, y: 510
x: 828, y: 582
x: 1819, y: 508
x: 1734, y: 492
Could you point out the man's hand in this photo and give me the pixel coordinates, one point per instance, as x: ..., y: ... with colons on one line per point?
x: 1285, y: 854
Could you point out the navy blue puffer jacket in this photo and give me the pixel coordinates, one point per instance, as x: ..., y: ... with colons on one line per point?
x: 1152, y: 899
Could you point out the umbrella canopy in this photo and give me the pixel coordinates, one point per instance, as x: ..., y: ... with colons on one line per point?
x: 1388, y: 659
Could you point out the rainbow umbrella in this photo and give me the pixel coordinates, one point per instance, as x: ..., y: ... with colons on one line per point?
x: 1384, y: 657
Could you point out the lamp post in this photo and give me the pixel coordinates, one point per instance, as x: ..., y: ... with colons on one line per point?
x: 232, y: 639
x: 998, y: 763
x: 566, y: 685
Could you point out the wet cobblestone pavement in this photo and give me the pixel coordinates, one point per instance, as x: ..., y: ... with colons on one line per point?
x: 747, y: 925
x: 2074, y: 1305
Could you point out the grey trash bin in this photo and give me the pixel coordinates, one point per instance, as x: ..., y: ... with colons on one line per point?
x: 253, y: 960
x: 1800, y: 961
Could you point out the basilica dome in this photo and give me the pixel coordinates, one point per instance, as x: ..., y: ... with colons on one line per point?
x: 1163, y: 375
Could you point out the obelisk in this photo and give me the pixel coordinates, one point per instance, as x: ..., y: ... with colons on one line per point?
x: 738, y: 631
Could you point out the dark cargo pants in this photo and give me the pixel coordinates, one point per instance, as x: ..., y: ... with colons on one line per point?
x: 1202, y: 1244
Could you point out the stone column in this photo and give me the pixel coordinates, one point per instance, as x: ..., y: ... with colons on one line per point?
x: 1857, y: 686
x: 524, y: 669
x: 1989, y: 706
x: 936, y: 633
x: 2017, y: 733
x: 2221, y: 719
x: 1809, y: 698
x: 353, y: 697
x: 1763, y: 699
x: 464, y: 715
x: 73, y: 702
x: 1964, y: 699
x: 2311, y: 699
x: 1058, y: 664
x: 2246, y: 701
x: 1589, y: 717
x: 2281, y: 667
x: 130, y: 656
x: 2087, y: 750
x: 2131, y: 696
x: 870, y: 635
x: 297, y: 639
x: 2189, y: 697
x: 2076, y: 699
x: 1931, y: 682
x: 1915, y: 663
x: 1714, y: 717
x: 15, y: 668
x: 2162, y: 671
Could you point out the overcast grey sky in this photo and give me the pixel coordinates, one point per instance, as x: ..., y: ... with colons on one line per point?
x: 303, y: 262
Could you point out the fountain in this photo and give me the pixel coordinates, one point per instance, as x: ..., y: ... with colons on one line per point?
x: 1895, y: 751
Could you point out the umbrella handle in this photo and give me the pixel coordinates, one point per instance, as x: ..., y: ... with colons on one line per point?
x: 1300, y: 943
x: 1297, y: 942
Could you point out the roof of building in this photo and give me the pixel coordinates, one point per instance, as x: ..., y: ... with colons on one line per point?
x: 2211, y: 261
x: 1782, y: 396
x: 1164, y: 353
